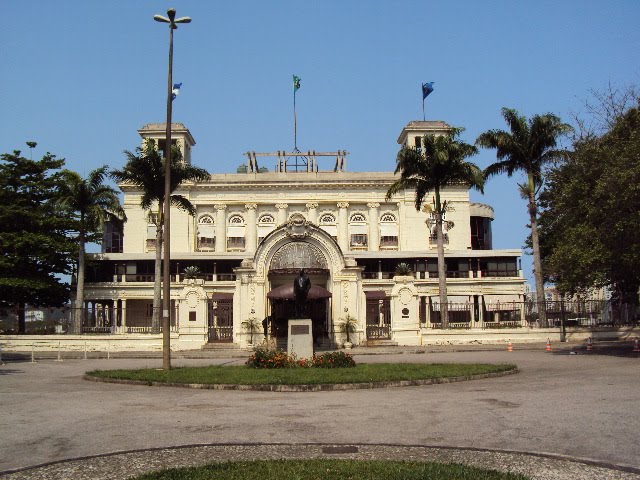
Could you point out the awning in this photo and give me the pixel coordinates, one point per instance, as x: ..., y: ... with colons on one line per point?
x: 331, y: 230
x: 454, y: 301
x: 375, y: 295
x: 388, y: 230
x: 358, y: 229
x: 286, y: 292
x: 235, y: 231
x: 221, y: 296
x: 501, y: 302
x: 207, y: 230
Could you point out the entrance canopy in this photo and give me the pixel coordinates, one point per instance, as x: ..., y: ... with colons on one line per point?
x: 286, y: 292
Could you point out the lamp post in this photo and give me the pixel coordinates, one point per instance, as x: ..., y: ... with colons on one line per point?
x: 166, y: 275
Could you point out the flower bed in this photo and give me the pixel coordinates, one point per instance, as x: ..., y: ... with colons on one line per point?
x: 264, y: 358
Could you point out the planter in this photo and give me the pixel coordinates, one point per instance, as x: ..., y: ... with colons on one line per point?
x: 347, y: 345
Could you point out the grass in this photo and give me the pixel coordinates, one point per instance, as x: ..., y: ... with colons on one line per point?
x: 362, y: 373
x: 326, y: 469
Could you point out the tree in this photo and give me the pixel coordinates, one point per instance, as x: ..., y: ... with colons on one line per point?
x: 90, y: 203
x: 591, y: 211
x: 34, y: 245
x: 439, y: 163
x: 145, y: 169
x: 528, y: 147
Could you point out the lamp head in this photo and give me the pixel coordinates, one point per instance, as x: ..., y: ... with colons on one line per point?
x: 160, y: 18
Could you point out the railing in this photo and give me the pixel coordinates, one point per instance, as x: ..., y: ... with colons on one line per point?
x: 221, y: 334
x: 96, y: 330
x: 378, y: 332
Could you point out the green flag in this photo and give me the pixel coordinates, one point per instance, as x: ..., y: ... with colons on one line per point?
x: 296, y: 83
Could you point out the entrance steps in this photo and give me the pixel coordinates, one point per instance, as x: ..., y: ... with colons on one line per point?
x: 221, y: 346
x: 380, y: 343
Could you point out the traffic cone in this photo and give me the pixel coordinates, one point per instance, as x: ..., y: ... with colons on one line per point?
x: 548, y: 348
x: 589, y: 344
x: 509, y: 347
x: 636, y: 346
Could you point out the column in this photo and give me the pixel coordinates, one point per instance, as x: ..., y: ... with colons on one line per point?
x: 123, y: 313
x: 282, y: 213
x: 251, y: 229
x: 221, y: 227
x: 313, y: 212
x: 374, y: 230
x: 343, y: 226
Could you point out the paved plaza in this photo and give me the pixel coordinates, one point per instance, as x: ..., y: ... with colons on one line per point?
x: 561, y: 406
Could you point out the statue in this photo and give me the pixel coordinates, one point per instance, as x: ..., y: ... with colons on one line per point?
x: 301, y: 287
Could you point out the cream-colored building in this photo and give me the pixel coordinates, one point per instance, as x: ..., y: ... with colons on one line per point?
x: 255, y: 229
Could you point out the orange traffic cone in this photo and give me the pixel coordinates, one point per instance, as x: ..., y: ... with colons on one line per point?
x: 548, y: 348
x: 589, y: 345
x: 509, y: 347
x: 636, y: 346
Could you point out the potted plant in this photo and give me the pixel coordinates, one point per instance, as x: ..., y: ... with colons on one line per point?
x: 348, y: 325
x: 403, y: 269
x: 191, y: 273
x: 251, y: 326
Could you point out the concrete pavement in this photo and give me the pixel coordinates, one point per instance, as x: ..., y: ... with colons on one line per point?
x: 580, y: 406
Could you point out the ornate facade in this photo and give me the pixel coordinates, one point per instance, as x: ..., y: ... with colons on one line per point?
x: 255, y: 229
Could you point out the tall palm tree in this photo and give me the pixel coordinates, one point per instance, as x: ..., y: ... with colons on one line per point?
x: 527, y: 147
x: 439, y: 163
x: 91, y: 203
x: 145, y: 169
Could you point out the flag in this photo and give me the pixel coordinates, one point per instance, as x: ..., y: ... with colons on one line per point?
x: 176, y: 90
x: 296, y: 83
x: 427, y: 88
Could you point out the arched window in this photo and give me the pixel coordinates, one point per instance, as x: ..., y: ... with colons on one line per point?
x: 266, y: 225
x: 206, y: 238
x: 235, y: 233
x: 358, y: 232
x: 388, y: 232
x: 328, y: 224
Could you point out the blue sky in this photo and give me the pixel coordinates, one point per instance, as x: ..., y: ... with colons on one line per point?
x: 81, y: 76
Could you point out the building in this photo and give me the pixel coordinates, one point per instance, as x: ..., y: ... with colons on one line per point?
x: 255, y: 229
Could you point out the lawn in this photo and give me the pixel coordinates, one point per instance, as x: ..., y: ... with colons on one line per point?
x: 362, y: 373
x: 324, y: 469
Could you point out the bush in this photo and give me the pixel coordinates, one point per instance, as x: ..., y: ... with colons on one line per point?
x: 264, y: 358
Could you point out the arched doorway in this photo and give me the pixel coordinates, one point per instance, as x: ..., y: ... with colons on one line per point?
x: 284, y: 267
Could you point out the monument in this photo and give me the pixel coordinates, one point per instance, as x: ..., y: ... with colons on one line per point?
x: 300, y: 338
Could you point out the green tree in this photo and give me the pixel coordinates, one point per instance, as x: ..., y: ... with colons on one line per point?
x: 528, y: 147
x: 34, y: 245
x: 90, y: 203
x: 439, y: 163
x: 590, y: 214
x: 146, y: 169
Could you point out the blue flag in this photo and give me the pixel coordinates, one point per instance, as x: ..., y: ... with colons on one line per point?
x: 427, y: 88
x: 296, y: 83
x: 176, y: 90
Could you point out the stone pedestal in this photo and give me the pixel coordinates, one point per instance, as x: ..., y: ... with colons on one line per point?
x: 300, y: 340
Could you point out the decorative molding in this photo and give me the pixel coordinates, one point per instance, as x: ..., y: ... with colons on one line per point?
x: 373, y: 205
x: 250, y: 206
x: 281, y: 206
x: 312, y: 205
x: 343, y: 204
x: 220, y: 206
x: 297, y: 227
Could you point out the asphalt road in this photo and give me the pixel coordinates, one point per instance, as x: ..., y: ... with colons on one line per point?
x: 584, y: 406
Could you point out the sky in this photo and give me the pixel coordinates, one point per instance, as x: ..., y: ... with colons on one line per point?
x: 80, y: 77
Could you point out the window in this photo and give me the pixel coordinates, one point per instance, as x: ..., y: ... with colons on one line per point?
x: 206, y: 233
x: 235, y: 233
x: 328, y: 224
x: 388, y: 232
x: 266, y: 225
x: 152, y: 226
x: 358, y: 231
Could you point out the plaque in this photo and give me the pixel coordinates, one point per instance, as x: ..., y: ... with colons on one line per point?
x: 299, y: 329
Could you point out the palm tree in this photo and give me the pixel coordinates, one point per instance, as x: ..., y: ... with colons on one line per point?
x: 528, y: 147
x: 439, y: 163
x: 91, y: 203
x: 145, y: 169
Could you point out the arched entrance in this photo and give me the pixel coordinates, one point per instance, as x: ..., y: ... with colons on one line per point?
x: 283, y: 269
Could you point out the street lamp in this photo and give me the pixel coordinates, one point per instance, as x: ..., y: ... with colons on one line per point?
x: 166, y: 275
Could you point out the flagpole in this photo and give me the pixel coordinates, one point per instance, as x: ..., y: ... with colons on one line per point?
x: 295, y: 125
x: 423, y: 117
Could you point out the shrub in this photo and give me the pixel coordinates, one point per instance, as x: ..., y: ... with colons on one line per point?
x: 264, y: 358
x: 334, y: 360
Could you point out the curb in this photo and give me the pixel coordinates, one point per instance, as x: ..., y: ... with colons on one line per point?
x: 322, y: 387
